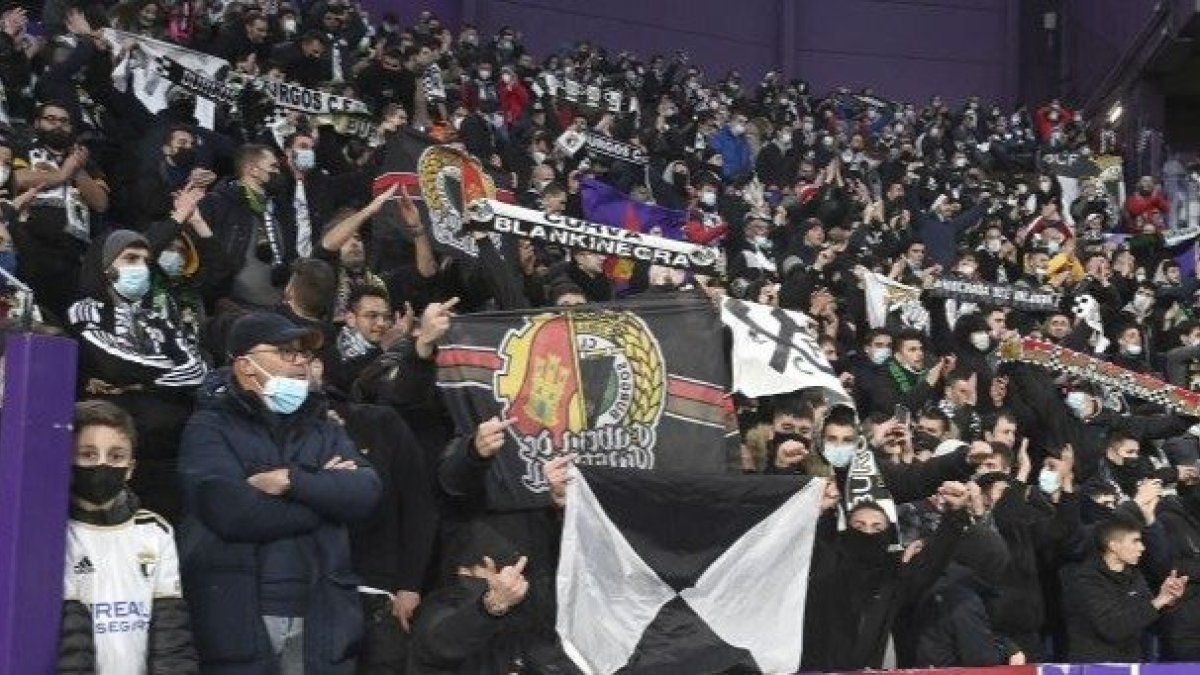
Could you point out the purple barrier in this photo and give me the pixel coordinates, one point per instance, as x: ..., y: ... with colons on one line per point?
x: 35, y: 454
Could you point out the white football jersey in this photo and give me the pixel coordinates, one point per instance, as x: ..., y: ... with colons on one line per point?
x: 118, y: 571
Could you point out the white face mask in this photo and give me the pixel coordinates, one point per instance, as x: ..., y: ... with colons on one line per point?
x: 708, y: 198
x: 1142, y: 302
x: 880, y: 354
x: 1053, y: 246
x: 993, y: 245
x: 5, y: 174
x: 738, y: 129
x: 1077, y: 401
x: 1133, y: 350
x: 1049, y: 481
x: 839, y: 455
x: 981, y: 340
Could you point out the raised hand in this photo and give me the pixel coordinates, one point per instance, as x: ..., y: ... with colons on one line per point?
x: 490, y: 435
x: 507, y: 587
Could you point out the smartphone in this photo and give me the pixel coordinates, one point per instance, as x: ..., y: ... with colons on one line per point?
x: 902, y: 415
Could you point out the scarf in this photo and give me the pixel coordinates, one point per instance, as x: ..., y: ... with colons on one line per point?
x: 351, y: 344
x: 905, y: 379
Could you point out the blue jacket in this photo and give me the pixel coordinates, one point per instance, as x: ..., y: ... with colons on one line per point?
x: 231, y: 529
x: 941, y: 236
x: 736, y: 157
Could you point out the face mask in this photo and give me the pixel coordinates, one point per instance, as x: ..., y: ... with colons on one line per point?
x: 960, y: 162
x: 839, y: 454
x: 1133, y: 350
x: 184, y: 158
x: 275, y: 184
x: 880, y: 354
x: 981, y: 341
x: 1053, y: 246
x: 57, y: 139
x: 306, y: 159
x: 282, y: 395
x: 171, y: 262
x: 863, y: 547
x: 966, y: 270
x: 1142, y: 302
x: 738, y: 129
x: 485, y: 74
x: 993, y: 245
x: 1145, y: 192
x: 785, y: 138
x: 708, y: 198
x: 98, y: 484
x: 288, y: 25
x: 1044, y: 186
x: 538, y: 156
x: 761, y: 242
x: 1041, y: 271
x: 1049, y: 481
x: 132, y: 282
x: 808, y: 127
x: 1076, y: 400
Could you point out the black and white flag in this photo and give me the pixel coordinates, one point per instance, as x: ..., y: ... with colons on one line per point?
x: 775, y: 352
x: 583, y: 235
x: 685, y: 573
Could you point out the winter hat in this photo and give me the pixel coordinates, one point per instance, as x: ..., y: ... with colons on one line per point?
x: 117, y: 242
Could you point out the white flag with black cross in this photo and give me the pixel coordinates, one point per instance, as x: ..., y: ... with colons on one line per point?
x: 775, y: 351
x: 663, y: 572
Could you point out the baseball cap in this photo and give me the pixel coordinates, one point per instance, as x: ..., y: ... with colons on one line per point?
x: 267, y: 328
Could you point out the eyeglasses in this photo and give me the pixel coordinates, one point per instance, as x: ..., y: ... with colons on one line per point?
x: 288, y: 354
x: 382, y: 317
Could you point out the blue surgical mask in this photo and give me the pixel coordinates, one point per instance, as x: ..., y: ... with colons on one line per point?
x: 879, y: 355
x: 839, y: 454
x: 132, y: 282
x: 283, y: 395
x: 1049, y: 481
x: 306, y: 159
x: 171, y: 262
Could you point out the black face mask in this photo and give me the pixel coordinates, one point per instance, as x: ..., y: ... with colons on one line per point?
x: 184, y: 158
x: 871, y: 549
x: 780, y: 438
x: 57, y: 139
x: 1145, y: 192
x: 276, y: 184
x: 98, y: 484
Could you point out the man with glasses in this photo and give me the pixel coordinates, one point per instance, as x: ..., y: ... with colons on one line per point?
x: 370, y: 328
x: 270, y: 483
x: 59, y: 228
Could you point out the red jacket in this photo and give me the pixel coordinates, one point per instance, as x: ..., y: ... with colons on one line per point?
x: 1045, y: 127
x: 1137, y: 205
x: 513, y: 99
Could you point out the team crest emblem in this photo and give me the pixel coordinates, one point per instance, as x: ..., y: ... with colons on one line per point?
x: 451, y: 179
x: 147, y: 564
x: 589, y: 382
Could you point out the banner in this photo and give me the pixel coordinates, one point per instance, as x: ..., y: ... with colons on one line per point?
x: 775, y: 352
x: 666, y: 573
x: 885, y: 296
x: 599, y: 145
x: 1113, y: 377
x: 138, y: 72
x: 998, y: 295
x: 607, y: 205
x: 1070, y: 168
x: 580, y: 234
x: 618, y: 384
x: 442, y: 180
x: 197, y: 82
x: 311, y: 101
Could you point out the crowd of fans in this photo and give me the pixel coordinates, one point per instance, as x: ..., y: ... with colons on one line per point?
x: 247, y: 340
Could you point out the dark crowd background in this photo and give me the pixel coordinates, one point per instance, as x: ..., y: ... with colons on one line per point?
x: 1042, y: 518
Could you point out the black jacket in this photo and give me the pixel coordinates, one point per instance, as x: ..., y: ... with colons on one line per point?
x: 1107, y: 612
x: 235, y: 223
x: 852, y: 605
x: 957, y: 630
x: 392, y: 549
x: 1181, y: 518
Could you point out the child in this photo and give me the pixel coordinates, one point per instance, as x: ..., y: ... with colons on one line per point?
x: 123, y: 612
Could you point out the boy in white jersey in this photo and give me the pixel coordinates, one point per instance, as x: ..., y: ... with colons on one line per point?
x: 123, y: 612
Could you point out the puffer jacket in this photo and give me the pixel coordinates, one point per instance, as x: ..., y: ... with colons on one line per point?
x: 230, y: 528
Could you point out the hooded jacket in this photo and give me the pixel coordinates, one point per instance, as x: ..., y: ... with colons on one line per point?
x: 238, y: 545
